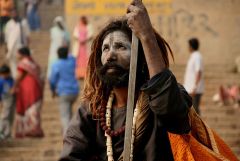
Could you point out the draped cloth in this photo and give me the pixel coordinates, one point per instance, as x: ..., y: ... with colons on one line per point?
x: 201, y: 143
x: 30, y: 89
x: 29, y: 100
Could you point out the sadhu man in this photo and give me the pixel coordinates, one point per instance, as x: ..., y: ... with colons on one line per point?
x: 164, y: 124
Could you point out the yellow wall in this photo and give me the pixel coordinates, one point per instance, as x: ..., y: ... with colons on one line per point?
x: 113, y: 7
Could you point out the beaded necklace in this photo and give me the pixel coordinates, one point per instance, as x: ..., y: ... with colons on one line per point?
x: 106, y: 125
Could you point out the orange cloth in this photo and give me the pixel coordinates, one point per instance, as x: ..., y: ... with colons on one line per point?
x: 201, y: 144
x: 187, y: 148
x: 6, y: 7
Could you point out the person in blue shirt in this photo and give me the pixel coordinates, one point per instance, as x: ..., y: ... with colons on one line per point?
x: 64, y: 84
x: 8, y: 102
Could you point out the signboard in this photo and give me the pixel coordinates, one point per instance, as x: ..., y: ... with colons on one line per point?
x: 113, y: 7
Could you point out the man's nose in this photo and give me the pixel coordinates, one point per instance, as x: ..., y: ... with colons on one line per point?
x: 112, y: 56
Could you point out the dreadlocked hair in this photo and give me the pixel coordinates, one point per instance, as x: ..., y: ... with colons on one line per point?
x: 95, y: 91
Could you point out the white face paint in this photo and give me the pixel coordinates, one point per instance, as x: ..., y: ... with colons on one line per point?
x: 116, y: 47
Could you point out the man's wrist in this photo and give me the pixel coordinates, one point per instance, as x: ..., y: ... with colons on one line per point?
x: 147, y: 36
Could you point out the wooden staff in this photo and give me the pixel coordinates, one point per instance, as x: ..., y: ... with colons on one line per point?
x: 131, y: 99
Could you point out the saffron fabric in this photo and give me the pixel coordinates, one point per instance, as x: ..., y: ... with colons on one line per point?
x: 202, y: 143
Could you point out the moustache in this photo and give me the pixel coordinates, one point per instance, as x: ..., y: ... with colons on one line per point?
x: 112, y: 65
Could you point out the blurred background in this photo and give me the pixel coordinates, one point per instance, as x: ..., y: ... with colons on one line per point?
x: 216, y: 24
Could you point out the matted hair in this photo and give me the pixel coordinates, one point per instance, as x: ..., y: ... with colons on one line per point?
x: 95, y: 91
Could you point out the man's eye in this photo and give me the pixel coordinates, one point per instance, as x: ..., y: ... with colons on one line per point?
x: 105, y: 48
x: 121, y: 47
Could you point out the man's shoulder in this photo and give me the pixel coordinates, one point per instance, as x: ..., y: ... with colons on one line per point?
x: 10, y: 23
x: 71, y: 57
x: 64, y: 63
x: 84, y: 108
x: 197, y: 55
x: 57, y: 64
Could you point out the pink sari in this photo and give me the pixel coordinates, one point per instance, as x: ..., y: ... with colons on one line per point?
x: 82, y: 57
x: 29, y: 100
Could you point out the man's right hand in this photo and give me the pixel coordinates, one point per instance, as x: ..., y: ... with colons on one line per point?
x: 138, y: 19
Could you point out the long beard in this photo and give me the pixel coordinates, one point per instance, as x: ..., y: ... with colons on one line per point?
x: 117, y: 78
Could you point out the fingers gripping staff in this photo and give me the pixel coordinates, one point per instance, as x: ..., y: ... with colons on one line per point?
x: 133, y: 12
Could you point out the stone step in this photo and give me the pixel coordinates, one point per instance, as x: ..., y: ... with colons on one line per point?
x: 42, y: 158
x: 30, y: 142
x: 44, y: 154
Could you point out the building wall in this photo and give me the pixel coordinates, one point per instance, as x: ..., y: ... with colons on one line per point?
x: 215, y: 22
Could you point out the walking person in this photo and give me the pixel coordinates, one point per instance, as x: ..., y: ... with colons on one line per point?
x: 8, y: 102
x: 83, y: 34
x: 28, y: 87
x: 59, y: 37
x: 64, y: 85
x: 31, y: 10
x: 6, y: 7
x: 16, y: 36
x: 193, y: 79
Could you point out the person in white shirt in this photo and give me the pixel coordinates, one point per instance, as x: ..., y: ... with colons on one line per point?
x: 16, y: 36
x: 59, y: 37
x: 193, y: 79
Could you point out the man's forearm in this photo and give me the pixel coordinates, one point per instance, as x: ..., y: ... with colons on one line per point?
x: 153, y: 54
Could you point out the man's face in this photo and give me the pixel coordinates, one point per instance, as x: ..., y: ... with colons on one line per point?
x: 116, y: 53
x: 116, y: 47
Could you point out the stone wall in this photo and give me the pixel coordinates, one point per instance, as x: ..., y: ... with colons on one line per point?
x: 215, y: 22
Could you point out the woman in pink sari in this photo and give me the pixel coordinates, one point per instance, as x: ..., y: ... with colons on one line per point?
x: 29, y: 94
x: 83, y: 34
